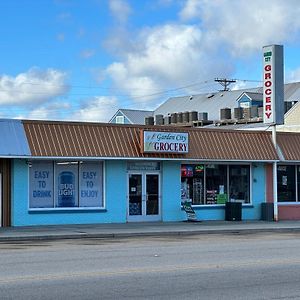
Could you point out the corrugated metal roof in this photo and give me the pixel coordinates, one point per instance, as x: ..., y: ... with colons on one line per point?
x: 66, y: 139
x: 212, y: 105
x: 202, y: 103
x: 289, y: 144
x: 13, y: 139
x: 292, y: 91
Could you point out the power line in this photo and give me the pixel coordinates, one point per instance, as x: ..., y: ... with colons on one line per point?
x: 117, y: 95
x: 203, y: 85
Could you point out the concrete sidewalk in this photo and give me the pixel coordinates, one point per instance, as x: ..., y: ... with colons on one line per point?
x: 107, y: 231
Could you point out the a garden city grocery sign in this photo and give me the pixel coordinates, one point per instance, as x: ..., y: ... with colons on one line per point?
x: 273, y: 100
x: 169, y: 142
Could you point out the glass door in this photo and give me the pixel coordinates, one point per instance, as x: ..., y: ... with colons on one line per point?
x: 135, y: 195
x: 152, y: 194
x: 143, y: 197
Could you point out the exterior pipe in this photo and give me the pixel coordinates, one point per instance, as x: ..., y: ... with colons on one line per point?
x: 275, y: 196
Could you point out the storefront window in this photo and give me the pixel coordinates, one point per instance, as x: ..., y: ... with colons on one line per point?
x: 211, y: 183
x: 239, y: 187
x: 216, y: 184
x: 192, y: 183
x: 286, y: 183
x: 65, y: 184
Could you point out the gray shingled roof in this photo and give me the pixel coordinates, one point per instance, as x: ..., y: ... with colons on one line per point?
x: 136, y: 116
x: 213, y: 102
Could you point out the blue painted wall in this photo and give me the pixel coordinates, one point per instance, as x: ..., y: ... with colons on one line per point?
x: 258, y: 192
x: 115, y: 189
x: 171, y: 196
x: 171, y: 185
x: 116, y: 198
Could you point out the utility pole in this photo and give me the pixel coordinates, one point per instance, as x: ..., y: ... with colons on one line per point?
x: 225, y: 83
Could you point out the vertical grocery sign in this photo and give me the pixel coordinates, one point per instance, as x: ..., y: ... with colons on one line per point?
x: 273, y: 96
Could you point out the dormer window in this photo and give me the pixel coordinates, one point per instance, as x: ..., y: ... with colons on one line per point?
x: 120, y: 120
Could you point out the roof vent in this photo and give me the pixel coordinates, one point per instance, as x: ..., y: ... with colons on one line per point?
x: 191, y: 97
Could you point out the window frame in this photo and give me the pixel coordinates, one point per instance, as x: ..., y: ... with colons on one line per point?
x: 297, y: 185
x: 120, y: 119
x: 250, y: 165
x: 54, y: 208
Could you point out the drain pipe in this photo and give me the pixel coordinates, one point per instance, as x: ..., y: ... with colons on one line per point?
x: 275, y: 196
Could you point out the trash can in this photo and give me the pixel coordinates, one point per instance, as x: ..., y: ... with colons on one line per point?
x: 267, y: 211
x: 233, y: 211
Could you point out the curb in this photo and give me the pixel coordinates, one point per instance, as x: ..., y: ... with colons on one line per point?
x: 124, y: 235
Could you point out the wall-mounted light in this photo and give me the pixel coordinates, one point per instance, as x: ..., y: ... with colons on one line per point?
x: 67, y: 163
x: 29, y: 163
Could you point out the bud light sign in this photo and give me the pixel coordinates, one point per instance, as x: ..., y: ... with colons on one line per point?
x: 66, y: 185
x: 66, y: 189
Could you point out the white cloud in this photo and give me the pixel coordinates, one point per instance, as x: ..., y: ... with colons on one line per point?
x: 170, y: 55
x: 98, y: 109
x: 190, y: 9
x: 33, y: 87
x: 120, y: 9
x: 41, y: 113
x: 245, y: 26
x: 52, y: 111
x: 210, y: 39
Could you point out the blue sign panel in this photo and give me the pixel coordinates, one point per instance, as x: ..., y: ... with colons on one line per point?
x: 91, y: 185
x: 66, y: 185
x: 41, y: 185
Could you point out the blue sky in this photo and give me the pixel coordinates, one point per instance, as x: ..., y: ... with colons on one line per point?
x: 84, y: 59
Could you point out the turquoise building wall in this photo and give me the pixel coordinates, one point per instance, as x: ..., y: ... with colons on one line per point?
x: 171, y: 195
x: 115, y: 198
x: 171, y: 191
x: 115, y: 191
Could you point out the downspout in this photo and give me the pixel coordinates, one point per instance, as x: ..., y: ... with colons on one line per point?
x: 275, y: 196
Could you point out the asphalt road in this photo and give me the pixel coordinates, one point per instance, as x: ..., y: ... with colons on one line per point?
x: 253, y: 266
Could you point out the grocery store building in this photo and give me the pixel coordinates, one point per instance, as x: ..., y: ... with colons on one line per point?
x: 85, y: 173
